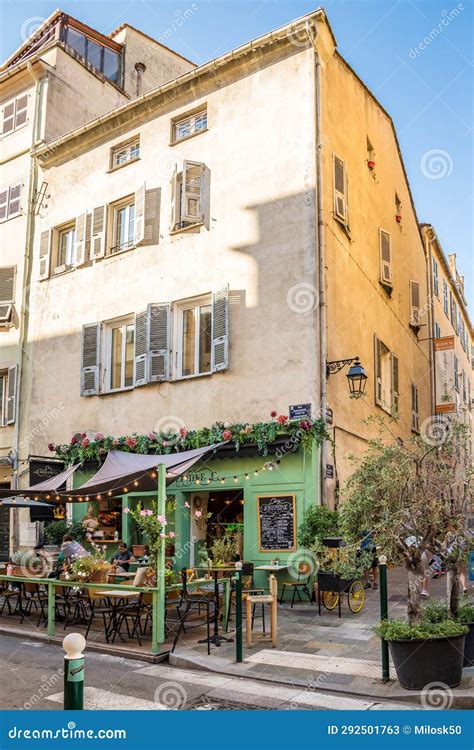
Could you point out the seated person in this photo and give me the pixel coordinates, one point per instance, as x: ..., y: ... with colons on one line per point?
x: 122, y: 558
x: 70, y: 550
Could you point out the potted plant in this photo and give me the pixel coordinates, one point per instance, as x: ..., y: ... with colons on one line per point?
x: 152, y: 525
x: 436, y: 611
x: 410, y: 493
x: 224, y: 549
x: 92, y: 567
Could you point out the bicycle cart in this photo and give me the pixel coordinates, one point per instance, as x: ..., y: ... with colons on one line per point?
x: 331, y: 590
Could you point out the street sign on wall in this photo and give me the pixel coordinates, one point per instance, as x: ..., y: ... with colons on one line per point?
x: 300, y: 411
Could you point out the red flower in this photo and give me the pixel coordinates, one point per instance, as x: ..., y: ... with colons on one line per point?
x: 131, y: 442
x: 74, y: 440
x: 183, y: 432
x: 282, y: 419
x: 273, y: 414
x: 305, y: 425
x: 51, y: 447
x: 227, y: 435
x: 85, y: 442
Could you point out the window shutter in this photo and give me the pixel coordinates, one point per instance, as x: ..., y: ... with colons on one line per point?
x: 90, y: 359
x: 173, y: 193
x: 340, y: 189
x: 14, y: 199
x: 141, y: 340
x: 21, y: 110
x: 385, y: 257
x: 11, y: 394
x: 159, y: 319
x: 152, y: 216
x: 7, y: 283
x: 80, y: 251
x: 3, y: 416
x: 3, y: 204
x: 415, y: 302
x: 99, y: 215
x: 220, y: 330
x: 192, y: 192
x: 395, y: 385
x: 45, y: 253
x: 8, y: 118
x: 378, y: 370
x: 140, y: 214
x: 414, y: 408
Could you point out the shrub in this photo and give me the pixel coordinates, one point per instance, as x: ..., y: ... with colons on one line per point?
x: 318, y: 523
x: 54, y: 532
x: 399, y: 630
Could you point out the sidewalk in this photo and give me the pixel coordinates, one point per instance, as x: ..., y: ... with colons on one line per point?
x: 326, y: 652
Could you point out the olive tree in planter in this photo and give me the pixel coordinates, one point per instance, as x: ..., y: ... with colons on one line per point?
x: 413, y: 496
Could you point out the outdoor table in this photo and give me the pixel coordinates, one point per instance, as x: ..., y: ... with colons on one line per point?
x: 115, y: 596
x: 216, y: 637
x: 271, y: 568
x: 116, y: 575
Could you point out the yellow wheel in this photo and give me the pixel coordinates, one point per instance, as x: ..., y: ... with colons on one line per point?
x: 356, y: 596
x: 330, y: 599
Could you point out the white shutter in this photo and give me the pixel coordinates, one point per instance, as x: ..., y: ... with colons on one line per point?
x: 415, y: 421
x: 80, y: 250
x: 14, y: 200
x: 11, y: 393
x: 385, y: 258
x: 414, y: 303
x: 99, y: 215
x: 395, y: 384
x: 21, y: 110
x: 220, y: 330
x: 173, y: 199
x: 45, y: 253
x: 378, y: 370
x: 139, y: 215
x: 8, y: 118
x: 159, y: 320
x: 3, y: 416
x: 7, y: 283
x: 141, y: 348
x: 3, y: 204
x: 191, y: 201
x: 90, y: 359
x: 340, y: 189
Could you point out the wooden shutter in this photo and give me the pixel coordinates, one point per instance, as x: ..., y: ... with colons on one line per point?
x: 80, y: 249
x: 8, y: 118
x: 139, y: 215
x: 385, y: 258
x: 152, y: 216
x: 159, y: 319
x: 99, y: 215
x: 414, y: 408
x: 220, y: 330
x: 45, y: 253
x: 378, y: 370
x: 11, y: 393
x: 191, y: 202
x: 415, y: 303
x: 340, y: 189
x: 90, y: 359
x: 14, y: 200
x: 3, y: 204
x: 21, y: 110
x: 141, y: 348
x: 395, y: 384
x: 173, y: 199
x: 7, y: 283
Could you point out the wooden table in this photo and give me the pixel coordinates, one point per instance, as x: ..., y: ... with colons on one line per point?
x: 216, y: 637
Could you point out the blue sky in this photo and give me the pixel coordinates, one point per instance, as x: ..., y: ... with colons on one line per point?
x: 428, y: 91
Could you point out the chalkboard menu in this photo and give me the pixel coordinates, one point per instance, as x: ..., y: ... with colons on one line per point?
x: 276, y: 523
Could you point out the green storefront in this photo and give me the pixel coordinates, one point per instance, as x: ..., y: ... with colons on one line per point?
x: 259, y: 500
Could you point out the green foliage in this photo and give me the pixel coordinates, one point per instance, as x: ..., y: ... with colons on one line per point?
x: 466, y: 612
x: 318, y: 522
x: 399, y: 630
x: 434, y: 611
x: 54, y: 532
x: 152, y: 525
x: 224, y: 549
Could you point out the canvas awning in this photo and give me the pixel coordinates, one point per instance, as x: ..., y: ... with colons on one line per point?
x: 24, y: 502
x: 48, y: 486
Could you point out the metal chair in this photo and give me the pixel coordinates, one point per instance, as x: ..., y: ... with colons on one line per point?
x: 194, y: 602
x: 301, y: 583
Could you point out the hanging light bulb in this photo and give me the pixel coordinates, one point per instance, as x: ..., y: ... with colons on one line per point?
x: 247, y: 476
x: 125, y: 489
x: 99, y: 497
x: 222, y: 480
x: 235, y: 479
x: 256, y: 472
x: 109, y: 493
x: 135, y: 483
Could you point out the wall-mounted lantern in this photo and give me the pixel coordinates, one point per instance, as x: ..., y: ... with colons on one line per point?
x: 356, y: 376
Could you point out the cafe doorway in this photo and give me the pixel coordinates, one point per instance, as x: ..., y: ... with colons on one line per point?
x: 224, y: 511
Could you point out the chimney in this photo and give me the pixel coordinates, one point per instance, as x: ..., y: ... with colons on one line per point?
x: 140, y: 68
x: 452, y: 263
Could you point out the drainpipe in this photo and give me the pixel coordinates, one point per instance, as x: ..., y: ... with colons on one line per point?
x: 312, y: 32
x: 429, y: 284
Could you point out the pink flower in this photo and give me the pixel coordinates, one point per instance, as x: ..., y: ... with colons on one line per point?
x: 74, y: 440
x: 131, y: 442
x: 305, y: 425
x: 146, y: 512
x: 197, y: 513
x: 273, y: 414
x: 162, y: 520
x: 248, y: 429
x: 83, y: 434
x: 171, y: 535
x: 151, y: 436
x: 183, y: 432
x: 51, y: 447
x: 163, y: 536
x: 282, y: 419
x: 227, y: 435
x: 126, y: 510
x: 85, y: 442
x: 186, y: 504
x: 165, y: 443
x: 99, y: 435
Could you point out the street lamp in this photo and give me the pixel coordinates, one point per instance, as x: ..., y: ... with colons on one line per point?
x: 356, y: 376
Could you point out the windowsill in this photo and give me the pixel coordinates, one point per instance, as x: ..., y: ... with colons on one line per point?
x: 61, y: 270
x: 188, y: 137
x: 10, y: 218
x: 345, y: 227
x: 125, y: 164
x: 15, y: 130
x: 177, y: 378
x: 117, y: 390
x: 6, y: 325
x: 185, y: 229
x: 388, y: 288
x: 118, y: 252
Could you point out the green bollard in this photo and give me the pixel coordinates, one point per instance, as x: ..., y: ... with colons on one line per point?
x: 384, y: 615
x: 74, y: 644
x: 238, y: 616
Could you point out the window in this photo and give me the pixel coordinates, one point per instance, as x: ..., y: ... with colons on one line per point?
x: 66, y: 247
x: 8, y: 380
x: 3, y: 398
x: 7, y: 291
x: 14, y: 114
x: 452, y: 309
x: 415, y: 417
x: 464, y: 389
x: 125, y: 153
x: 121, y: 348
x: 445, y: 298
x: 193, y: 348
x: 103, y: 59
x: 386, y: 378
x: 340, y: 190
x: 415, y: 312
x: 437, y: 331
x: 187, y: 196
x: 385, y: 259
x: 188, y: 125
x: 435, y: 276
x: 456, y: 373
x: 124, y: 227
x: 10, y: 202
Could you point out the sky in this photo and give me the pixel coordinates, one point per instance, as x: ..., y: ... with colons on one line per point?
x: 416, y: 57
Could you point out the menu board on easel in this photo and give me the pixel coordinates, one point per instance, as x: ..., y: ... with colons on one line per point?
x: 276, y: 523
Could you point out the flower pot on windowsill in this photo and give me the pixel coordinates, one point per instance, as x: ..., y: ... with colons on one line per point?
x: 371, y: 165
x: 398, y: 218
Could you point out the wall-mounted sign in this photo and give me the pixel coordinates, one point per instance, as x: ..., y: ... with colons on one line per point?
x: 329, y: 471
x: 329, y: 415
x: 444, y: 375
x: 40, y: 471
x: 206, y: 476
x: 276, y: 523
x: 300, y: 411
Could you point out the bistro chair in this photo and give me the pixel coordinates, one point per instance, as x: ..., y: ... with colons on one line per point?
x: 272, y: 599
x: 34, y: 596
x: 193, y: 602
x: 11, y: 596
x: 248, y: 587
x: 301, y: 583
